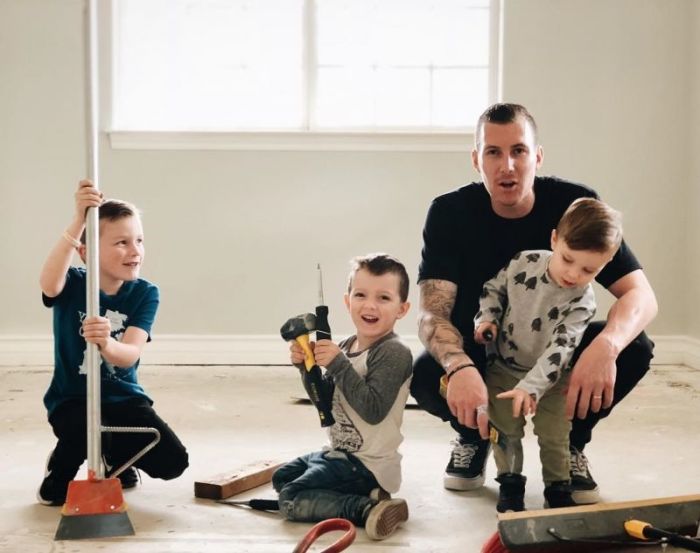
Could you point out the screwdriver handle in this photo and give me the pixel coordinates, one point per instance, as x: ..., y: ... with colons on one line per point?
x: 323, y: 329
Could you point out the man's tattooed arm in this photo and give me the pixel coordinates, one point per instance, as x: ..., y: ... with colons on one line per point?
x: 435, y: 330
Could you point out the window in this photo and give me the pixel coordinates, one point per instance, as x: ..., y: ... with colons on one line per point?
x: 302, y: 65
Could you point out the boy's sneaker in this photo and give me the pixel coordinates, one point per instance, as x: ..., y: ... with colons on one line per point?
x: 584, y: 489
x: 54, y: 487
x: 379, y: 494
x: 385, y: 517
x: 558, y: 494
x: 511, y: 494
x: 465, y: 471
x: 130, y: 478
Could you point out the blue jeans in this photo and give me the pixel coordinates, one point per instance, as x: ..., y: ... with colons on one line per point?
x: 324, y: 484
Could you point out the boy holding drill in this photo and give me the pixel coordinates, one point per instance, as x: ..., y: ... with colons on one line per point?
x: 353, y: 476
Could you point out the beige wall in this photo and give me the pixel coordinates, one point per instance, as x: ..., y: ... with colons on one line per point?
x: 692, y: 253
x: 233, y: 237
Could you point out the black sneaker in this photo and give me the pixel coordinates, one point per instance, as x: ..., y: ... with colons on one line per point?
x: 584, y: 489
x: 511, y: 494
x: 130, y: 478
x: 465, y: 471
x: 54, y: 487
x: 558, y: 494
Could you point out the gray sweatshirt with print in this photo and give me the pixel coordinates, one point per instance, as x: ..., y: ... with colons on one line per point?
x: 539, y: 322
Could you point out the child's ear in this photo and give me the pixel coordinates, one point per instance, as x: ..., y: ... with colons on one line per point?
x: 405, y: 306
x: 553, y: 239
x: 82, y: 252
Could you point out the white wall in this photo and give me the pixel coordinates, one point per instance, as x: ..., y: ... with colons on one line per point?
x: 233, y: 237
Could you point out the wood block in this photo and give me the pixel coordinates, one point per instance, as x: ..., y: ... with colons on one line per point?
x: 231, y: 483
x: 530, y: 530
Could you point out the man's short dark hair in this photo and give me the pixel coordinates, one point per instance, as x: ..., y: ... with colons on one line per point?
x: 379, y: 264
x: 502, y: 114
x: 113, y: 210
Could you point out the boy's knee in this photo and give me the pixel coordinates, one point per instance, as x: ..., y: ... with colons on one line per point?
x: 173, y: 469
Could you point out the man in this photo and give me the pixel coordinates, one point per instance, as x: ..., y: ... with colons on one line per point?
x: 469, y: 235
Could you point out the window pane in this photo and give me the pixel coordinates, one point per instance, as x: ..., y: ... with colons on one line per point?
x: 419, y: 63
x: 208, y: 64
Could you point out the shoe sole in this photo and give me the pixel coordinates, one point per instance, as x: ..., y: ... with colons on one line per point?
x: 462, y: 484
x: 385, y: 518
x: 585, y: 497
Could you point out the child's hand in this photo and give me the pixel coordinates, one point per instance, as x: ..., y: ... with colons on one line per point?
x: 296, y: 353
x: 482, y: 329
x: 325, y: 352
x: 96, y: 330
x: 86, y: 196
x: 523, y: 403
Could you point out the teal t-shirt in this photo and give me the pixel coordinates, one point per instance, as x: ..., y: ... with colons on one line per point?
x: 135, y: 304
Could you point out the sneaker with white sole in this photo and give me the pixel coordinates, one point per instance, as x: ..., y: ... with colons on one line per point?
x: 584, y: 490
x: 465, y: 471
x: 54, y: 486
x: 385, y: 517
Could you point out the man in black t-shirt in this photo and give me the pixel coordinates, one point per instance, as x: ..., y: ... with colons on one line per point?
x: 469, y: 235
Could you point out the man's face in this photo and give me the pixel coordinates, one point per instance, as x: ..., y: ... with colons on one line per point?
x: 507, y: 159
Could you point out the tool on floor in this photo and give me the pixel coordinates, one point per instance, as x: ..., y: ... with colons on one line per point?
x: 227, y: 484
x: 320, y: 389
x: 590, y: 527
x: 325, y: 526
x: 255, y: 504
x: 95, y: 507
x: 645, y: 531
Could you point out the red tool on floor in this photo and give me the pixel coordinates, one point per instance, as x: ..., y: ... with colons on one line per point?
x: 325, y: 526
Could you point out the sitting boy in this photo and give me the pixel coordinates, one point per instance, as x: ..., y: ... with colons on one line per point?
x: 128, y: 306
x: 536, y: 310
x: 354, y: 476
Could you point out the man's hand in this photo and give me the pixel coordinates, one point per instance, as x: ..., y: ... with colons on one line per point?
x: 96, y: 330
x: 523, y: 403
x: 592, y: 381
x: 468, y: 400
x: 325, y: 352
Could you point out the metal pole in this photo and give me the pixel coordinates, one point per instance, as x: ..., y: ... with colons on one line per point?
x: 93, y: 360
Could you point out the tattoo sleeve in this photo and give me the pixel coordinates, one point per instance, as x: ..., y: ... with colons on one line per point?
x: 435, y: 330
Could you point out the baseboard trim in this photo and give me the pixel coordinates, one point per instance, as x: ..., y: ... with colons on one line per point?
x: 190, y: 349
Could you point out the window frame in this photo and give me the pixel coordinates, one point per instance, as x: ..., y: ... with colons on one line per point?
x: 356, y: 139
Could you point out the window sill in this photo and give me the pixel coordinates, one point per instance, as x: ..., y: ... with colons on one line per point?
x: 294, y: 141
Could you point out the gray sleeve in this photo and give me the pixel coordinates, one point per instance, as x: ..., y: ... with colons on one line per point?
x: 566, y: 336
x: 493, y: 299
x: 389, y: 365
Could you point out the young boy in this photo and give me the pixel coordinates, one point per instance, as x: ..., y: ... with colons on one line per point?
x: 128, y: 307
x: 353, y: 477
x: 536, y: 310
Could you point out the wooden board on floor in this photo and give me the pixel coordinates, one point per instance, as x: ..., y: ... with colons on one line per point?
x: 228, y: 484
x: 530, y: 530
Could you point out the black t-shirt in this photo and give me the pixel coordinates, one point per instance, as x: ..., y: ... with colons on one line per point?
x: 465, y: 242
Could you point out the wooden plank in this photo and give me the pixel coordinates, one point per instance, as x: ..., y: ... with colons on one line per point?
x: 234, y: 482
x: 604, y: 521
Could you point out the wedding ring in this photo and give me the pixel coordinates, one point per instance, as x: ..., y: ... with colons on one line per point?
x: 597, y: 397
x: 481, y: 409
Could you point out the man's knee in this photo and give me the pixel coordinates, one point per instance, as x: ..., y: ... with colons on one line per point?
x: 426, y: 378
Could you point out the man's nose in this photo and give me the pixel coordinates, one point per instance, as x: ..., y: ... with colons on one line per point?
x: 508, y: 163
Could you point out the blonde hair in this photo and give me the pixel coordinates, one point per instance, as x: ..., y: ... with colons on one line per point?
x: 589, y: 224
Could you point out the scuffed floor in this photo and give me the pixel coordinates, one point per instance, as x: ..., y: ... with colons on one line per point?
x: 231, y: 416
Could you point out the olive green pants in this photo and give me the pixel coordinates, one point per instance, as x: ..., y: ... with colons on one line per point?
x: 550, y: 425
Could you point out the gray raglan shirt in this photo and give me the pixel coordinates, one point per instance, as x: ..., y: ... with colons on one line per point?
x: 371, y: 389
x: 539, y: 322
